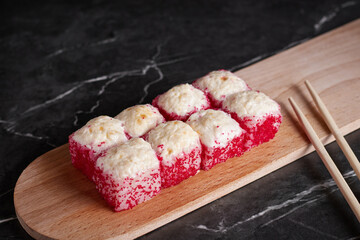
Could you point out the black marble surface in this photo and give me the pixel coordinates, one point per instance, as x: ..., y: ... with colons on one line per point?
x: 63, y: 63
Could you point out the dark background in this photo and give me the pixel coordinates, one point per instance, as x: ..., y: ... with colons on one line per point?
x: 63, y: 63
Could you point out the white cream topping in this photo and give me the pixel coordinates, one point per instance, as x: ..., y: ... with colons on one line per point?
x: 140, y: 119
x: 221, y: 84
x: 172, y: 139
x: 251, y: 103
x: 101, y: 133
x: 182, y: 99
x: 128, y: 159
x: 216, y: 128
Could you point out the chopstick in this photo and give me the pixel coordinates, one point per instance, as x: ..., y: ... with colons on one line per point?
x: 328, y: 162
x: 349, y: 154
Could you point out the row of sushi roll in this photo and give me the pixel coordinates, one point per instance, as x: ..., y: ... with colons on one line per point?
x: 189, y: 128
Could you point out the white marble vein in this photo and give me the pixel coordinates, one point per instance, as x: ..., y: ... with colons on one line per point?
x: 108, y: 79
x: 324, y: 19
x: 146, y: 87
x: 28, y: 135
x: 9, y: 127
x: 175, y: 60
x: 92, y: 109
x: 289, y: 212
x: 348, y: 4
x: 354, y: 238
x: 314, y: 229
x: 6, y: 122
x: 103, y: 87
x: 331, y: 15
x: 6, y: 192
x: 104, y: 41
x: 55, y: 99
x: 78, y: 46
x: 7, y: 219
x: 153, y: 64
x: 72, y: 90
x: 112, y: 77
x: 303, y: 198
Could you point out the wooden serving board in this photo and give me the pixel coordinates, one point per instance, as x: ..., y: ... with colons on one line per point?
x: 53, y: 200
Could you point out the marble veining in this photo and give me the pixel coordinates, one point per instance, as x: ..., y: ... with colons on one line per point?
x: 314, y: 230
x: 6, y: 192
x: 9, y: 126
x: 111, y: 76
x: 332, y: 14
x: 305, y: 197
x: 7, y: 220
x: 108, y: 80
x: 91, y: 110
x: 354, y: 238
x: 79, y: 46
x: 65, y: 63
x: 152, y: 64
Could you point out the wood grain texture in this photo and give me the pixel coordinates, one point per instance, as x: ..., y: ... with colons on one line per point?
x: 53, y: 200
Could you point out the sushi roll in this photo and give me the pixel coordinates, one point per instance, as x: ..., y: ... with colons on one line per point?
x: 217, y: 85
x: 257, y: 114
x: 220, y: 135
x: 178, y: 149
x: 180, y: 102
x: 128, y: 174
x: 88, y: 142
x: 140, y: 119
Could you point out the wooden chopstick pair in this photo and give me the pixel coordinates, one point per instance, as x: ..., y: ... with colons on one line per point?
x: 330, y: 165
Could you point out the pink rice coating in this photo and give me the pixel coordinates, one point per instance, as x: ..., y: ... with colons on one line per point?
x: 82, y: 158
x: 126, y: 193
x: 258, y: 131
x: 173, y: 116
x: 215, y: 155
x: 185, y: 166
x: 214, y: 103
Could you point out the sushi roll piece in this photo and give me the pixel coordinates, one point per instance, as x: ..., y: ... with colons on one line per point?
x: 217, y: 85
x: 128, y: 174
x: 257, y: 114
x: 88, y: 142
x: 178, y: 148
x: 140, y: 119
x: 220, y: 135
x: 180, y: 102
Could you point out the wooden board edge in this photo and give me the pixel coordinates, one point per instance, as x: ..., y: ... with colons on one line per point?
x: 31, y: 231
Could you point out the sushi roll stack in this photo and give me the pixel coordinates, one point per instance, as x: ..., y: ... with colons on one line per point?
x: 146, y: 148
